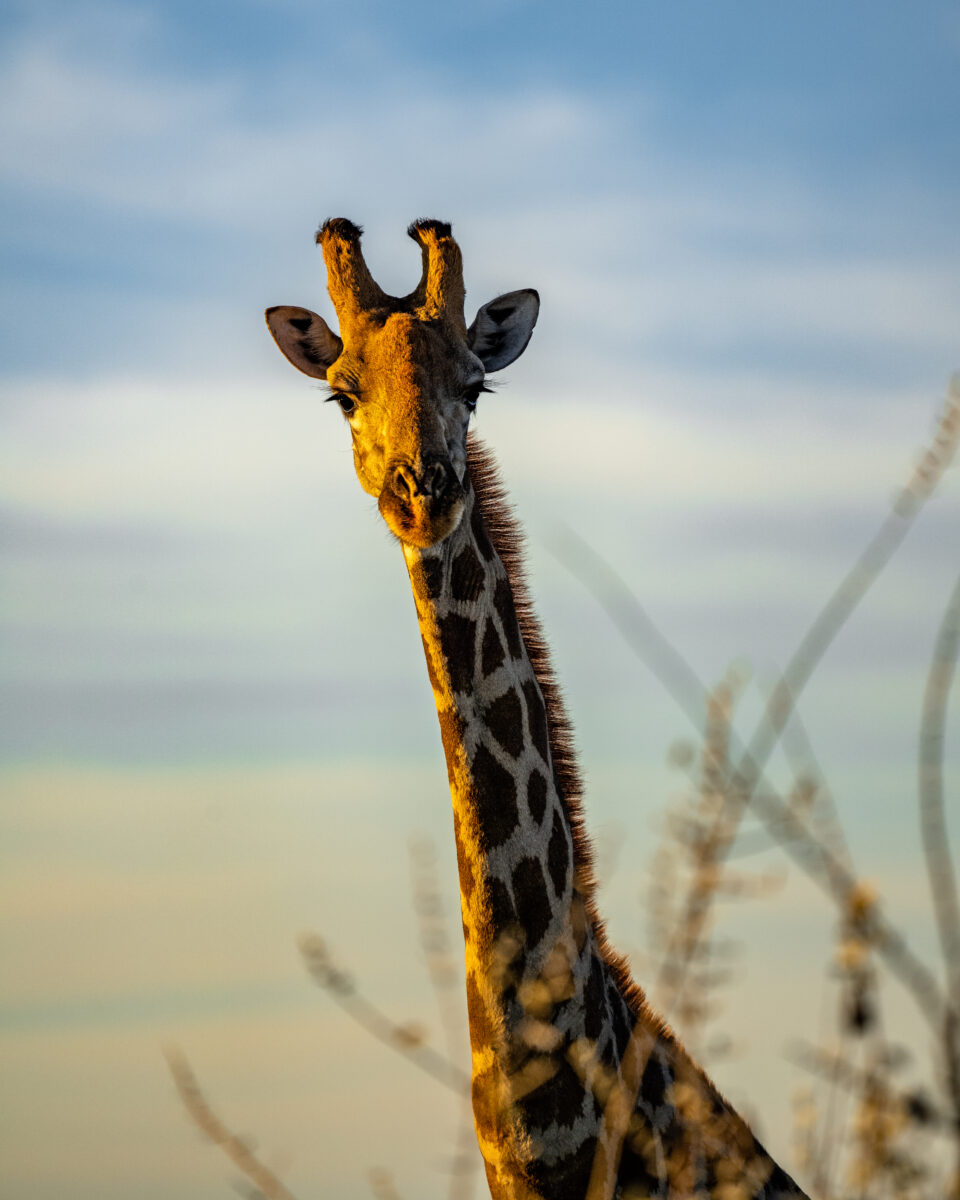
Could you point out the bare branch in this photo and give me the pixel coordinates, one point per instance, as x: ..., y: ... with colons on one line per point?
x: 855, y: 585
x: 442, y: 968
x: 936, y: 844
x: 445, y: 975
x: 235, y: 1148
x: 835, y: 1068
x: 405, y: 1039
x: 673, y: 671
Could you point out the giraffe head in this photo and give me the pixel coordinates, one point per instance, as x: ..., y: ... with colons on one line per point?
x: 406, y: 372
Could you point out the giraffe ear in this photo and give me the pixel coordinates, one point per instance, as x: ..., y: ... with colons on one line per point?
x: 502, y: 328
x: 304, y: 338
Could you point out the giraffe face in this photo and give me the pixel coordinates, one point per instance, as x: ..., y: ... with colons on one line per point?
x: 407, y: 388
x: 406, y: 374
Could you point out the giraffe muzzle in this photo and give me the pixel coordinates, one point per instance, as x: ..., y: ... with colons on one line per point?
x: 431, y: 482
x: 422, y: 503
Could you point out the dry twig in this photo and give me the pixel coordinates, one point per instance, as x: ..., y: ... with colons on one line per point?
x: 445, y: 976
x: 745, y: 784
x: 407, y: 1040
x: 940, y: 868
x: 235, y: 1148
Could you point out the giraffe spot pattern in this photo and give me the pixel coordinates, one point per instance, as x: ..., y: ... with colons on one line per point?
x: 479, y: 533
x: 536, y: 719
x: 481, y: 1028
x: 431, y: 670
x: 485, y: 1094
x: 568, y: 1179
x: 504, y: 719
x: 496, y: 795
x: 432, y: 577
x: 578, y: 921
x: 778, y: 1182
x: 536, y: 795
x: 503, y: 603
x: 638, y: 1166
x: 620, y: 1024
x: 654, y: 1084
x: 464, y: 869
x: 560, y: 1099
x: 606, y: 1051
x: 492, y: 653
x: 500, y: 906
x: 467, y: 576
x: 457, y: 638
x: 593, y: 1002
x: 558, y: 856
x: 531, y: 900
x: 451, y: 734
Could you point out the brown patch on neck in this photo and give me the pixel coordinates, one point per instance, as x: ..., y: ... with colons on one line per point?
x: 493, y: 518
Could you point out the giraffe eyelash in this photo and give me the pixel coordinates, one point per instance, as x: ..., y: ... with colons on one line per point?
x: 489, y: 386
x: 472, y: 393
x: 351, y: 385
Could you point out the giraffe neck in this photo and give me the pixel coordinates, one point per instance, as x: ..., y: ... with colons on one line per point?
x: 555, y: 1024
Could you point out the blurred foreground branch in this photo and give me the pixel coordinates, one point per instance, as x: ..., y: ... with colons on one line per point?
x: 932, y: 820
x: 835, y: 613
x: 405, y: 1039
x: 235, y: 1148
x: 445, y: 977
x: 835, y: 1068
x: 936, y: 845
x: 744, y: 780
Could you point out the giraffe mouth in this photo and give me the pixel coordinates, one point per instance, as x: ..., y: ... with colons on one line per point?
x: 422, y: 521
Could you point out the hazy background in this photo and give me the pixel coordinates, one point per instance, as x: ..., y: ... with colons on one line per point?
x: 217, y: 730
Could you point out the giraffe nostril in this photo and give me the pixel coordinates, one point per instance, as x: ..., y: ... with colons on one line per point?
x: 435, y: 483
x: 403, y: 485
x: 429, y: 482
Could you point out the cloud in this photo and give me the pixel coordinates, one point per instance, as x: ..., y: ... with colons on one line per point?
x: 137, y: 135
x: 198, y: 575
x: 80, y: 117
x: 663, y: 256
x: 206, y: 457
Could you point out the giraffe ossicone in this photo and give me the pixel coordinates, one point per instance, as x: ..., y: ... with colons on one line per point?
x: 580, y: 1091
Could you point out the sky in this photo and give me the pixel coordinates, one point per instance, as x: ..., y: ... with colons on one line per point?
x: 217, y: 729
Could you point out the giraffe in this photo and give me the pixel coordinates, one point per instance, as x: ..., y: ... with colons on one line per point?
x: 580, y: 1091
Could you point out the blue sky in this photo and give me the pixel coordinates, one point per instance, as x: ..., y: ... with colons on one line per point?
x: 741, y: 219
x: 144, y: 141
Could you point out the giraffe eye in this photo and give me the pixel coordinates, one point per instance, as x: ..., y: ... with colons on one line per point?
x: 470, y: 396
x: 347, y: 403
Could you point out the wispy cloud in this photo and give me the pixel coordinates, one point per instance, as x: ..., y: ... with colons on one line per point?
x: 221, y: 458
x: 665, y: 257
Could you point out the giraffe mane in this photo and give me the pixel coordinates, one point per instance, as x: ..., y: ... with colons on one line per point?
x: 508, y: 539
x: 507, y: 536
